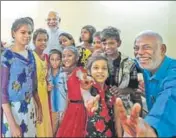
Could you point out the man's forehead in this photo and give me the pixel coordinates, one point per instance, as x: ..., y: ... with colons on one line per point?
x: 146, y: 39
x: 52, y: 15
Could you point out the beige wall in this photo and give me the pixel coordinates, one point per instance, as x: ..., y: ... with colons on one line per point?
x: 130, y: 17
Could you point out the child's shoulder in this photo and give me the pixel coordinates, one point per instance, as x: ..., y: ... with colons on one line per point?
x: 61, y: 72
x: 7, y: 57
x: 6, y: 52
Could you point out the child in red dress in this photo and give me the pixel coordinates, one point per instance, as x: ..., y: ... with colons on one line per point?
x: 74, y: 121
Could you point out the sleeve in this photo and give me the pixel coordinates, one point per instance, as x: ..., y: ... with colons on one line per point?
x: 6, y: 60
x: 162, y: 116
x: 4, y: 84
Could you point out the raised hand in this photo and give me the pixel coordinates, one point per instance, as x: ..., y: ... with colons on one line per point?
x: 133, y: 125
x: 92, y: 104
x: 85, y: 80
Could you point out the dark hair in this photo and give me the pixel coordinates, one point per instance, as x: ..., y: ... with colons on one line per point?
x: 94, y: 58
x: 110, y: 32
x: 55, y: 51
x: 32, y: 21
x: 73, y: 49
x: 91, y: 29
x: 39, y: 31
x: 97, y: 34
x: 20, y: 22
x: 69, y: 36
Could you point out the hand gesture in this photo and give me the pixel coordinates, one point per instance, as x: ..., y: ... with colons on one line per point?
x: 133, y: 125
x: 92, y: 104
x: 85, y: 80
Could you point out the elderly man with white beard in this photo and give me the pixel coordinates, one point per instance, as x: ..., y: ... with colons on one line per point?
x: 159, y: 72
x: 53, y: 21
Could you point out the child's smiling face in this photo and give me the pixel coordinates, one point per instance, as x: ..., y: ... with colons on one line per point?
x: 99, y: 71
x: 69, y: 58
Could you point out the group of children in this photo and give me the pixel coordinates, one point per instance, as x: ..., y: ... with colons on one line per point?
x: 68, y: 93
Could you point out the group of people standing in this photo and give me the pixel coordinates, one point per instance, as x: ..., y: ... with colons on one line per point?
x: 54, y: 88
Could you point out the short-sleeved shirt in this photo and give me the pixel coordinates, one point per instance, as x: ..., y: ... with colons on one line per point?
x: 160, y: 91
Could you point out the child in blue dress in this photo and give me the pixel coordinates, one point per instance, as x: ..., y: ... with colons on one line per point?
x: 18, y: 88
x: 57, y: 87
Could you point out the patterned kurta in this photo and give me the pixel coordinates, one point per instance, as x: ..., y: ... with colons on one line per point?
x: 84, y: 55
x: 101, y: 122
x: 17, y: 86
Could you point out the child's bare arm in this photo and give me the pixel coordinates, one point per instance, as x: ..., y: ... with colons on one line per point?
x: 38, y: 106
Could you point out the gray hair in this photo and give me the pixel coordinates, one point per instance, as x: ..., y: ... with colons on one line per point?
x: 56, y: 13
x: 73, y: 49
x: 149, y: 33
x: 20, y: 22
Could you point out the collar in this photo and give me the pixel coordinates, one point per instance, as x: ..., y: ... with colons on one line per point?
x: 97, y: 85
x: 60, y: 69
x: 161, y: 70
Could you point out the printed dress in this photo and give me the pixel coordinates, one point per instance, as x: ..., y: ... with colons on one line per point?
x: 45, y: 128
x: 74, y: 121
x: 101, y: 122
x: 17, y: 75
x: 84, y: 55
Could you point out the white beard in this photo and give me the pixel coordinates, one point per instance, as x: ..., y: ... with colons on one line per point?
x: 53, y: 29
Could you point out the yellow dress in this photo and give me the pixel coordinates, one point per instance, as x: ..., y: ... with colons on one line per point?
x: 45, y: 128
